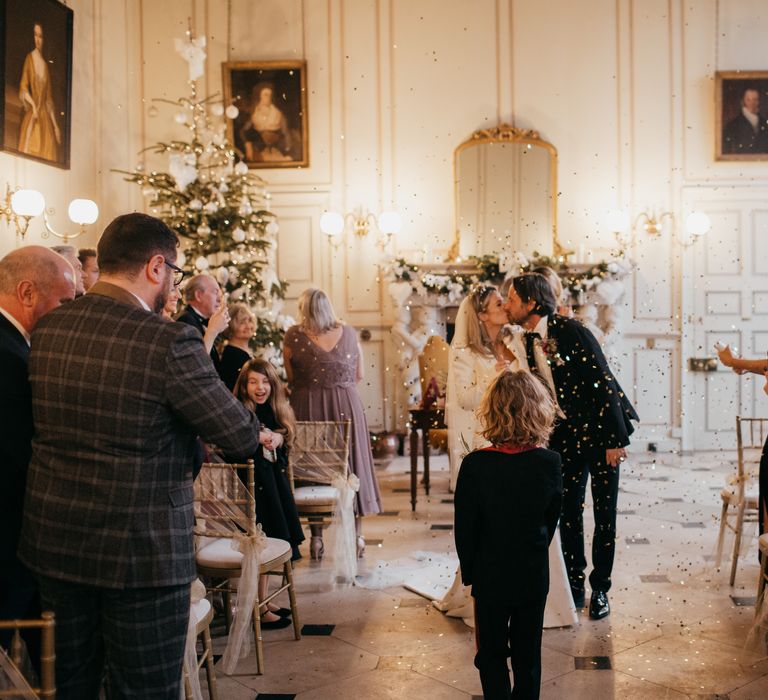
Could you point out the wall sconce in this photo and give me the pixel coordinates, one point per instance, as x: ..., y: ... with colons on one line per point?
x: 20, y: 207
x: 333, y: 224
x: 81, y: 212
x: 697, y: 224
x: 23, y: 205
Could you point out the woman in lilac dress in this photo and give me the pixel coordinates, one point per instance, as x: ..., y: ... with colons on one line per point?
x: 324, y: 362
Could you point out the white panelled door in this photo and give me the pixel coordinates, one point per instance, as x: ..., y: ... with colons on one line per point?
x: 725, y: 299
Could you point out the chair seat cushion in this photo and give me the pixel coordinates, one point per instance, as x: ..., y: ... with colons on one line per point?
x: 220, y: 555
x: 315, y: 495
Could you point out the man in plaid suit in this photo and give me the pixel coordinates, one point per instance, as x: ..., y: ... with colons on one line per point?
x: 118, y: 396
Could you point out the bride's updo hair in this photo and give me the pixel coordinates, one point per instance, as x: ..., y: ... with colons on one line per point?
x: 477, y: 338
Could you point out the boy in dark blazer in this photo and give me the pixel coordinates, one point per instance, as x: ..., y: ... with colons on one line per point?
x: 507, y: 504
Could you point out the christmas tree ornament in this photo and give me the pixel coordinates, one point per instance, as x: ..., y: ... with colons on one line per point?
x: 232, y: 112
x: 217, y: 110
x: 202, y: 263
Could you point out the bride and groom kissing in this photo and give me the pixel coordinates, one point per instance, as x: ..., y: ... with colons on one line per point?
x: 592, y: 430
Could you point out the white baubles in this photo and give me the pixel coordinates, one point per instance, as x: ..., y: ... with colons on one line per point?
x: 222, y: 276
x: 238, y: 235
x: 232, y: 112
x: 272, y: 228
x: 195, y: 204
x: 202, y: 263
x: 241, y: 168
x: 217, y: 110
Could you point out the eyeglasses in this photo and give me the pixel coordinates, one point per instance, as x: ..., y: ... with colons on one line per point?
x: 178, y: 273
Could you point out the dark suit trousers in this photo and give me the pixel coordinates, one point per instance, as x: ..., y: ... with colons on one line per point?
x: 509, y: 631
x: 137, y: 633
x: 605, y: 491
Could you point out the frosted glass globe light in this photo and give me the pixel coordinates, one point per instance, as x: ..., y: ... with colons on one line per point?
x: 83, y: 211
x: 390, y: 222
x: 697, y: 223
x: 27, y: 203
x: 617, y: 221
x: 332, y: 223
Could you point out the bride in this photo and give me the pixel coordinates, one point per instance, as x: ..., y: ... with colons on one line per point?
x: 477, y: 356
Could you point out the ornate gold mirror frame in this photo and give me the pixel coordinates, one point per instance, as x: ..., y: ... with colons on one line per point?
x: 505, y: 133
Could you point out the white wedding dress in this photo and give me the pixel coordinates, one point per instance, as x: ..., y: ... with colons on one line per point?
x: 469, y: 374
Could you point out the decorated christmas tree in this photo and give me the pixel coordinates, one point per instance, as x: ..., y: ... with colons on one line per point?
x: 218, y: 206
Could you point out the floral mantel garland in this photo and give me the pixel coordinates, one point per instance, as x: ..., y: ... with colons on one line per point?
x: 602, y: 278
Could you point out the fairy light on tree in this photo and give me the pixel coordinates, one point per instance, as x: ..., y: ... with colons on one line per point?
x: 218, y: 206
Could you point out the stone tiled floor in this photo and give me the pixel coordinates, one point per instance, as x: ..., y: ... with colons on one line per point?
x: 674, y: 631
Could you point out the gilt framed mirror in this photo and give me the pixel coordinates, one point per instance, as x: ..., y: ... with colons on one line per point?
x: 505, y: 194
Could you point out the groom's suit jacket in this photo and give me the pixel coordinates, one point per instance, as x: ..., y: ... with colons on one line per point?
x: 597, y: 412
x: 118, y: 396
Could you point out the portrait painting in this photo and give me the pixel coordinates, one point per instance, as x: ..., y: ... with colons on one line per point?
x: 36, y: 67
x: 742, y: 115
x: 270, y: 130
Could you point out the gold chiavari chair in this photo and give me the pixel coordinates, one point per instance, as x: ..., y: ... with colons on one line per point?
x: 47, y: 687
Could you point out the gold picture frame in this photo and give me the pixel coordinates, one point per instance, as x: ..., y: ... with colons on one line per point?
x: 738, y: 136
x: 271, y: 129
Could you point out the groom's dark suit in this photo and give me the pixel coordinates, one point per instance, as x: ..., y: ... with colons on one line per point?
x: 597, y: 418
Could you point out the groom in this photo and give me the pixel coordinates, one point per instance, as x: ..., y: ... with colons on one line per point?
x: 591, y: 435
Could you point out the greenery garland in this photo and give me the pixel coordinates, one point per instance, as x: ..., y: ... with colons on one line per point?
x: 455, y: 284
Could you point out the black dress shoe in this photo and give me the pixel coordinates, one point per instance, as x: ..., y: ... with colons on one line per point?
x: 599, y: 606
x: 275, y: 624
x: 281, y: 612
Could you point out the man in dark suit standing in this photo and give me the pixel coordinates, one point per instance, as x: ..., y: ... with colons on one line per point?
x: 748, y: 131
x: 118, y: 396
x: 33, y: 281
x: 591, y: 435
x: 205, y: 310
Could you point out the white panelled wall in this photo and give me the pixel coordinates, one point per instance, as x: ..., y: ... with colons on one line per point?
x: 624, y: 89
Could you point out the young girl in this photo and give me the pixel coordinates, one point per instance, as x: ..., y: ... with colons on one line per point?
x: 507, y: 504
x: 259, y: 388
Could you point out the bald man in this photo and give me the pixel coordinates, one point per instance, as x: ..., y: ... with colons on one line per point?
x: 33, y: 281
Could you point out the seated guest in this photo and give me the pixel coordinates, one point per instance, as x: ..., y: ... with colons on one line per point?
x: 33, y: 281
x: 507, y: 504
x: 205, y: 310
x: 242, y: 326
x: 260, y: 390
x: 171, y: 304
x: 69, y: 252
x: 87, y: 258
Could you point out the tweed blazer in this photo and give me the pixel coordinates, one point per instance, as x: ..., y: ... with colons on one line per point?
x: 15, y: 437
x: 118, y: 396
